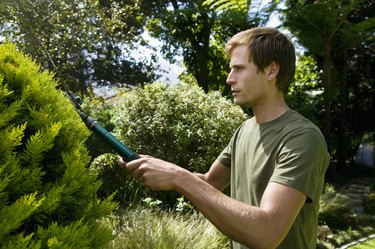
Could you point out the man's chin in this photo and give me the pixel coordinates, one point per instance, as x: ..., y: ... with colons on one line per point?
x: 240, y: 103
x: 237, y: 101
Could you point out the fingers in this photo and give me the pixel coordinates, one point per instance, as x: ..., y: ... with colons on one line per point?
x: 142, y: 180
x: 121, y: 161
x: 131, y: 166
x: 146, y: 170
x: 134, y: 165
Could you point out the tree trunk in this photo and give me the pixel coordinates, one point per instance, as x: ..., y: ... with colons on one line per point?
x: 202, y: 67
x: 202, y: 46
x: 342, y: 131
x: 327, y: 82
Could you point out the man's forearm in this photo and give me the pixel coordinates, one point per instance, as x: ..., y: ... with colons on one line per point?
x: 200, y: 176
x: 256, y: 227
x: 249, y: 225
x: 218, y: 176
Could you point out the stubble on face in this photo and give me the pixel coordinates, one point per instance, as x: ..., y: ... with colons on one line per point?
x: 245, y: 79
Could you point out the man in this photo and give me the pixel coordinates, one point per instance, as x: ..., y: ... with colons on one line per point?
x: 275, y: 161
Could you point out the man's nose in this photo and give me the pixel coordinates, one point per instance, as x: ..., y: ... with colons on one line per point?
x: 230, y: 78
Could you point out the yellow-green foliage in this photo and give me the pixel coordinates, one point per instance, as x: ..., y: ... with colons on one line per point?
x: 47, y: 194
x: 369, y: 203
x: 144, y: 228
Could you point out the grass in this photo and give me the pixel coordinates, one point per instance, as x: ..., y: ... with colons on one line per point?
x: 366, y: 245
x: 341, y: 221
x: 145, y: 228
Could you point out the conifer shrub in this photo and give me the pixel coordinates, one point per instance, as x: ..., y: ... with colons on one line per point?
x: 47, y: 192
x: 180, y: 124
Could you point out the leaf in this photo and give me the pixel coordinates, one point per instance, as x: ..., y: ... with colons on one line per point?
x: 39, y: 143
x: 229, y: 5
x: 10, y: 138
x: 12, y: 216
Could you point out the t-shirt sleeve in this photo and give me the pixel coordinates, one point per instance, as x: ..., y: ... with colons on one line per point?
x: 302, y: 162
x: 225, y: 157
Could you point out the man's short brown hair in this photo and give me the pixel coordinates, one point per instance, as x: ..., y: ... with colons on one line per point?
x: 265, y: 46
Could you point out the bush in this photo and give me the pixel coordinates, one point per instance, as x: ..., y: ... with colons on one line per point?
x: 335, y: 209
x: 180, y: 124
x: 47, y: 194
x: 125, y: 188
x: 369, y: 203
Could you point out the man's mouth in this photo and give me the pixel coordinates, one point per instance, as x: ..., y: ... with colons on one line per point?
x: 234, y: 91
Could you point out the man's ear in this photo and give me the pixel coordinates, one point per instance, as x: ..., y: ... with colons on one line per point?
x: 272, y: 70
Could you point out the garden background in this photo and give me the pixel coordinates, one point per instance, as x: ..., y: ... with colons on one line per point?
x: 60, y: 185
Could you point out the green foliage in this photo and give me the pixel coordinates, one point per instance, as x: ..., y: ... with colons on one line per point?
x: 366, y: 245
x: 369, y: 138
x: 341, y: 238
x: 180, y: 124
x: 369, y: 203
x: 183, y: 206
x: 144, y: 228
x: 339, y: 36
x: 338, y: 223
x: 256, y: 12
x: 89, y: 41
x: 241, y: 6
x: 305, y: 93
x: 151, y: 203
x: 115, y: 181
x: 198, y: 30
x: 47, y: 194
x: 335, y: 210
x: 318, y: 24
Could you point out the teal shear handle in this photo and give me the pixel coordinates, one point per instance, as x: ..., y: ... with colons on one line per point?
x: 111, y: 140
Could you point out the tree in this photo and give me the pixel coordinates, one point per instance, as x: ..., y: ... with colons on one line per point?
x: 197, y: 31
x: 306, y: 92
x: 86, y: 40
x: 47, y: 193
x: 329, y: 31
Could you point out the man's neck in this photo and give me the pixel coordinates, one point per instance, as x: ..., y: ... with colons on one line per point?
x: 270, y: 111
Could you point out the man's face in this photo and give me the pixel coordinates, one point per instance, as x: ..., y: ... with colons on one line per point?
x: 249, y: 86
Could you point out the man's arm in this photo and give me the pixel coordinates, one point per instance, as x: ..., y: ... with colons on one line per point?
x: 256, y: 227
x: 217, y: 176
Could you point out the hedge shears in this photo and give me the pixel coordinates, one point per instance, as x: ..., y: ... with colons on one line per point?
x: 127, y: 154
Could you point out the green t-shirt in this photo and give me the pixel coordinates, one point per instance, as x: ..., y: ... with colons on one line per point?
x: 289, y: 150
